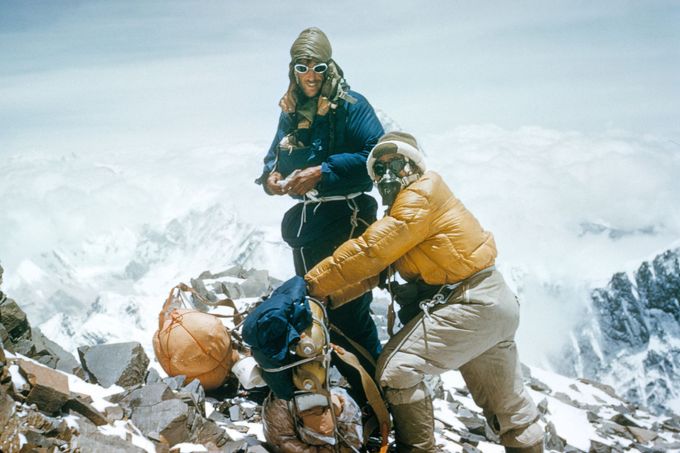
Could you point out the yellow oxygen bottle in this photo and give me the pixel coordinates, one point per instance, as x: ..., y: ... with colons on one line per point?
x: 311, y: 376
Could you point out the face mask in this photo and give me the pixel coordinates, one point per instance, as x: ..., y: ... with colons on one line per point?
x: 389, y: 187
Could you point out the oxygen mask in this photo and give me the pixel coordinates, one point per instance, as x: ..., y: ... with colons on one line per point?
x: 390, y: 182
x: 389, y: 186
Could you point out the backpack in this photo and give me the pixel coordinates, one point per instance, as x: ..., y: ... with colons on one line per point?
x: 193, y: 343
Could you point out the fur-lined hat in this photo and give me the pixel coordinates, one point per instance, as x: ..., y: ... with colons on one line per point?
x: 312, y: 43
x: 399, y: 143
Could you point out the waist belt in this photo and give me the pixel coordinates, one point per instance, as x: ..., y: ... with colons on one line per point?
x: 312, y: 197
x: 446, y: 292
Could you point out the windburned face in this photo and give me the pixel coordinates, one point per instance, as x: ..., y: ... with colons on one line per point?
x: 310, y: 76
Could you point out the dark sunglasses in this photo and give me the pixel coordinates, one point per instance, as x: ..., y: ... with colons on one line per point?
x: 319, y: 68
x: 396, y: 165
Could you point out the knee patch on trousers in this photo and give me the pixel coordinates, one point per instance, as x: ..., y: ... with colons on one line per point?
x: 523, y: 437
x: 397, y: 397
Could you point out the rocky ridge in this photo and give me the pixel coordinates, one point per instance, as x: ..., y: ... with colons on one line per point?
x: 633, y: 339
x: 140, y: 410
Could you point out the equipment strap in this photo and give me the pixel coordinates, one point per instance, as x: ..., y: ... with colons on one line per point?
x: 360, y: 349
x: 375, y: 399
x: 391, y: 314
x: 227, y: 302
x: 183, y: 287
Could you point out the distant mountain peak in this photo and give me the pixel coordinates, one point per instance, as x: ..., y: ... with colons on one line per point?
x: 633, y: 341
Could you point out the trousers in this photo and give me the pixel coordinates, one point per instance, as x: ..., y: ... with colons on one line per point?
x: 474, y: 333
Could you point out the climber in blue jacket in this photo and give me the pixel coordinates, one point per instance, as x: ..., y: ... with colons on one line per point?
x: 318, y: 157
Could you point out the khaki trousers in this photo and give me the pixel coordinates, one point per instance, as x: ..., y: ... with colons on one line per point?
x: 474, y: 332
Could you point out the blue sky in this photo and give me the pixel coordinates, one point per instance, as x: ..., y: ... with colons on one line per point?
x: 101, y: 75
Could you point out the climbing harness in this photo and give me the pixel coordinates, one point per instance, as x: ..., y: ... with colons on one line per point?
x: 443, y: 296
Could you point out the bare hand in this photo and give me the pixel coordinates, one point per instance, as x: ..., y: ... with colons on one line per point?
x: 273, y: 185
x: 304, y: 181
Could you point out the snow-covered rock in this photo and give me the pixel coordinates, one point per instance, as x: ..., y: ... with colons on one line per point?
x: 576, y: 414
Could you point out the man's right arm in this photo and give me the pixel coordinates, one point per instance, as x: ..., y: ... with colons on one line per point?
x: 355, y: 265
x: 269, y: 177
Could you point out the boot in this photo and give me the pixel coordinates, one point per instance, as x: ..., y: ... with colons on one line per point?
x: 536, y: 448
x: 516, y: 440
x: 414, y: 426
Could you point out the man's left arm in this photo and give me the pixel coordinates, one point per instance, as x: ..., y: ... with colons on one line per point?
x: 362, y: 133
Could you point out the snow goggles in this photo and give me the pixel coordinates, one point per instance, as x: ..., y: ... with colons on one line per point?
x: 396, y: 165
x: 319, y: 68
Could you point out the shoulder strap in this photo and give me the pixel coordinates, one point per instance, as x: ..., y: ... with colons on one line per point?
x: 386, y: 281
x: 357, y: 347
x: 373, y: 394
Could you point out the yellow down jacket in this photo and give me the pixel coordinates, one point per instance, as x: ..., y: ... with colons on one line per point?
x: 428, y: 234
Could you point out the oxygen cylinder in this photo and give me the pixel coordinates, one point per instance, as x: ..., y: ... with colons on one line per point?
x: 311, y: 376
x: 313, y: 339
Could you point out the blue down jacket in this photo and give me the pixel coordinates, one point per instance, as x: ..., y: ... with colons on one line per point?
x: 343, y: 169
x: 277, y: 322
x: 274, y: 327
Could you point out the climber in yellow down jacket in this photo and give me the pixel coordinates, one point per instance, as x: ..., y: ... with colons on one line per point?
x: 458, y: 311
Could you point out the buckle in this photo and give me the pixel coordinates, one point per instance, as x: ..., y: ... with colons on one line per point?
x: 427, y: 304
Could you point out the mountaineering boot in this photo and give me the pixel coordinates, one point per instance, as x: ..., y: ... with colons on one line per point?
x: 536, y: 448
x: 414, y: 426
x: 527, y: 439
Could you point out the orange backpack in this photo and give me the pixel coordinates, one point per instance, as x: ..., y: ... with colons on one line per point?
x: 193, y: 343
